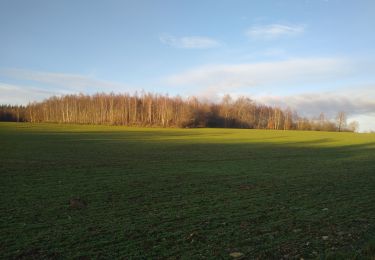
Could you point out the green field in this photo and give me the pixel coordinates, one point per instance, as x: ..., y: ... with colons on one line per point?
x: 184, y: 193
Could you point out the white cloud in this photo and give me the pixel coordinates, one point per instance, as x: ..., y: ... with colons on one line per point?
x: 357, y: 102
x: 61, y: 82
x: 273, y: 31
x: 228, y: 77
x: 191, y: 42
x: 360, y: 101
x: 366, y: 122
x: 22, y: 95
x: 212, y: 81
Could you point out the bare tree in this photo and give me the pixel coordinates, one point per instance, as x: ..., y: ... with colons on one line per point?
x: 353, y: 126
x: 341, y: 121
x: 147, y: 109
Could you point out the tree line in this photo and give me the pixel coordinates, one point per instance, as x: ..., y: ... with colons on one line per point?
x: 12, y: 113
x: 147, y: 109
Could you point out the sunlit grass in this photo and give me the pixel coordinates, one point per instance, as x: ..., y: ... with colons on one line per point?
x: 201, y: 193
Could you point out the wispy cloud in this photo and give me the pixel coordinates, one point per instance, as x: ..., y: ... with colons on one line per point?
x: 63, y: 82
x: 228, y: 77
x: 29, y: 85
x: 189, y: 42
x: 22, y: 95
x: 360, y: 101
x: 273, y: 31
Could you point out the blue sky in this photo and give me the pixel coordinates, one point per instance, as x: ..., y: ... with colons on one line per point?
x: 313, y: 55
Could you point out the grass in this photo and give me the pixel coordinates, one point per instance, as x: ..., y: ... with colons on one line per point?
x: 184, y: 193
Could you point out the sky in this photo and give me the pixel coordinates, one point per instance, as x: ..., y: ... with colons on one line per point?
x: 311, y: 55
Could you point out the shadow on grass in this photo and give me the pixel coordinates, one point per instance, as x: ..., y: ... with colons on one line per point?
x: 149, y: 196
